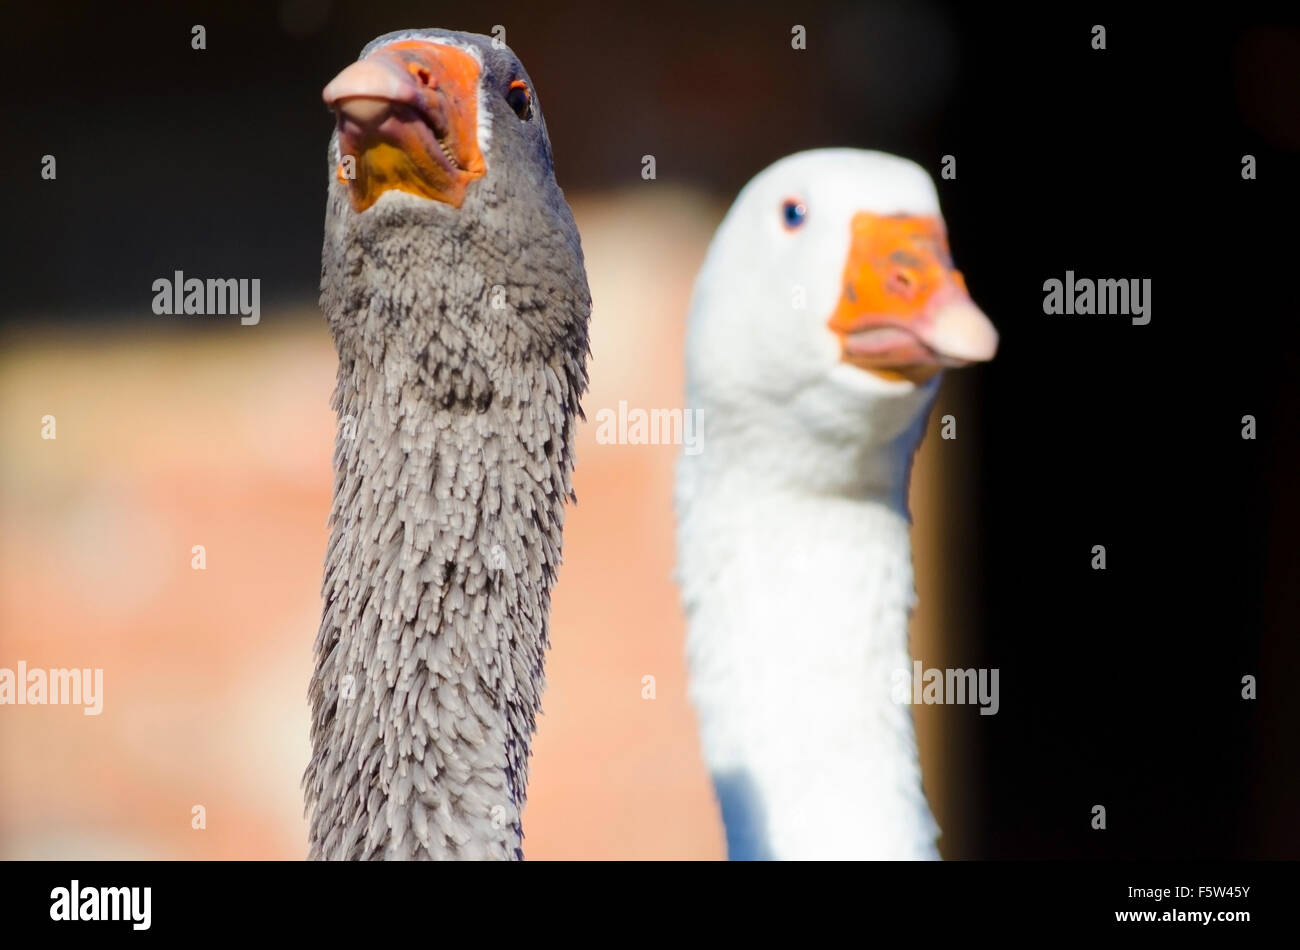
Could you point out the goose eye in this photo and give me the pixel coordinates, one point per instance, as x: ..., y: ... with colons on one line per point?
x: 793, y: 213
x: 520, y: 98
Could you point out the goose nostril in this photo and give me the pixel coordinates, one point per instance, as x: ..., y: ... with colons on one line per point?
x: 902, y: 281
x: 420, y: 73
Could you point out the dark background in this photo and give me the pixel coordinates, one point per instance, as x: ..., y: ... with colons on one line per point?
x: 1119, y: 687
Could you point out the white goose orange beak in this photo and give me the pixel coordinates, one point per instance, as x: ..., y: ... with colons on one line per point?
x: 904, y: 312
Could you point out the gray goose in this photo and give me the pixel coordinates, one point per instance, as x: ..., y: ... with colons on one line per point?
x: 452, y: 280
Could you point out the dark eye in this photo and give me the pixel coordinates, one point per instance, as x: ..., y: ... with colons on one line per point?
x: 793, y: 212
x: 520, y: 98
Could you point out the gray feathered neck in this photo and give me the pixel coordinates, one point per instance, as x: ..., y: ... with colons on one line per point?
x: 462, y: 342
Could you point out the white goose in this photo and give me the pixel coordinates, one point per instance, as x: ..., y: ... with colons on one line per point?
x: 825, y: 310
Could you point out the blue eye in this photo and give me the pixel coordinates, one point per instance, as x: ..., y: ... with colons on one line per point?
x: 792, y: 213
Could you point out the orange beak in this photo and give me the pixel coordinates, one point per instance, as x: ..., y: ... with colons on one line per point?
x: 904, y: 312
x: 408, y: 120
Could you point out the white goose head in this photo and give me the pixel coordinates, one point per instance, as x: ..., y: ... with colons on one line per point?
x: 829, y: 285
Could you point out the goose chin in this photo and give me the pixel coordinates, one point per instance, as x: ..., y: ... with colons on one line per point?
x: 894, y: 353
x: 400, y: 150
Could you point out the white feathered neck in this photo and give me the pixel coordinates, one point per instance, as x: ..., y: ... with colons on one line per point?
x: 798, y: 603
